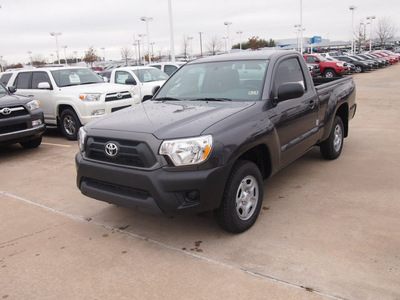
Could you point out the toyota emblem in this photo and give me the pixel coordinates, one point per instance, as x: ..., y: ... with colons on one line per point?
x: 111, y: 149
x: 5, y: 111
x: 119, y: 95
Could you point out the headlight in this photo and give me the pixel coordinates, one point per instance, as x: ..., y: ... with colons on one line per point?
x: 339, y: 64
x: 188, y: 151
x: 32, y: 105
x: 82, y: 136
x: 90, y: 97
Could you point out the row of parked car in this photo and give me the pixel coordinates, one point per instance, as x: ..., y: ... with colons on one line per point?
x: 337, y: 64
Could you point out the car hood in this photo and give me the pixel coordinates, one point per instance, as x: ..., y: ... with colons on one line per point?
x: 169, y: 119
x: 13, y: 100
x: 97, y: 88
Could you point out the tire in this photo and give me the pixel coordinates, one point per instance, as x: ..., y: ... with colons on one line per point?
x: 69, y: 124
x: 32, y: 143
x: 329, y: 73
x: 359, y: 69
x: 332, y: 147
x: 242, y: 199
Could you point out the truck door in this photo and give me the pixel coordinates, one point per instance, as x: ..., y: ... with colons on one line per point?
x: 296, y: 120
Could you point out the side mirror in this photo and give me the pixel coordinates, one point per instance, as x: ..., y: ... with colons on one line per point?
x: 44, y: 86
x: 147, y: 97
x: 105, y: 79
x: 130, y: 81
x: 12, y: 89
x: 290, y: 90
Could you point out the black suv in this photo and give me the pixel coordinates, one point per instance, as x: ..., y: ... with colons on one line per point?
x: 21, y: 119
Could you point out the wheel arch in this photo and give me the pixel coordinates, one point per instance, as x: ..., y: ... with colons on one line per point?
x: 343, y: 113
x: 261, y: 156
x: 63, y: 107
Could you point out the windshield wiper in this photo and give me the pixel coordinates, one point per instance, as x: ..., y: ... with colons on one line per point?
x: 167, y: 98
x: 212, y: 99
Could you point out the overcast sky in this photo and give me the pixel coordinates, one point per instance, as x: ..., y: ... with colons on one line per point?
x: 25, y: 25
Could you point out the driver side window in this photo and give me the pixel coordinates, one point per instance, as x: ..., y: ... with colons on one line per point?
x: 122, y: 76
x: 288, y: 70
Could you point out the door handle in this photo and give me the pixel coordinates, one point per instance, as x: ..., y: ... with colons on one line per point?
x: 31, y: 96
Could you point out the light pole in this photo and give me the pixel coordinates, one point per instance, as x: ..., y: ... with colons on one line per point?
x: 297, y: 28
x: 147, y: 19
x: 301, y: 27
x: 30, y: 57
x: 190, y: 38
x: 152, y: 50
x: 201, y: 45
x: 225, y: 38
x: 228, y: 23
x: 240, y: 39
x: 352, y: 8
x: 370, y: 31
x: 56, y: 34
x: 76, y: 56
x: 1, y: 63
x: 141, y: 35
x: 171, y: 31
x: 65, y: 53
x: 104, y: 53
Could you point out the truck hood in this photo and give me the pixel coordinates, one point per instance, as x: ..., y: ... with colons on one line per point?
x: 170, y: 119
x: 13, y: 100
x: 96, y: 88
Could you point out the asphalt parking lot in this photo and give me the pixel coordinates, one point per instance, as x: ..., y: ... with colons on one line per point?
x: 328, y: 229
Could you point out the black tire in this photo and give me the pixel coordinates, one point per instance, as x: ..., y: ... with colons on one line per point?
x: 245, y: 182
x: 329, y: 73
x: 332, y: 147
x: 69, y: 124
x: 32, y: 143
x: 359, y: 69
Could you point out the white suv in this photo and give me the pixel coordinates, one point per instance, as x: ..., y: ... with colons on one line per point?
x: 71, y: 96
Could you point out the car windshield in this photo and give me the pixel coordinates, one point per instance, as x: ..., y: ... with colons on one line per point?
x: 3, y: 91
x: 150, y: 74
x: 321, y: 58
x: 216, y: 81
x: 69, y: 77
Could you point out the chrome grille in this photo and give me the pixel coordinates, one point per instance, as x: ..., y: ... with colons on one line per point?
x: 118, y: 96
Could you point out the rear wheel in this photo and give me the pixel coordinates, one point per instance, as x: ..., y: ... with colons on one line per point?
x: 69, y: 124
x: 332, y: 147
x: 242, y: 199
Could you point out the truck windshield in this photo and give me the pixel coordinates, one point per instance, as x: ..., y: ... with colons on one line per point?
x: 150, y: 74
x: 3, y: 91
x: 233, y: 80
x: 68, y: 77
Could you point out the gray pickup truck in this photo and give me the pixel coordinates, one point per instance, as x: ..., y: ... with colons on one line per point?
x: 21, y: 120
x: 212, y: 133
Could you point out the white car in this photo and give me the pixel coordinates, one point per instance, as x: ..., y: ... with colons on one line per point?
x: 167, y: 67
x: 71, y: 96
x: 143, y: 79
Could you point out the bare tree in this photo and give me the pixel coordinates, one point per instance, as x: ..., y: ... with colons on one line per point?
x: 385, y: 30
x: 91, y: 57
x: 126, y: 54
x: 185, y: 48
x: 38, y: 60
x: 215, y: 45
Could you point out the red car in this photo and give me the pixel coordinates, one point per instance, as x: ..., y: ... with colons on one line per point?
x: 328, y: 68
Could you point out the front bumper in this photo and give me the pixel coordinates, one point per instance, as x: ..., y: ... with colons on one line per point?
x: 152, y: 191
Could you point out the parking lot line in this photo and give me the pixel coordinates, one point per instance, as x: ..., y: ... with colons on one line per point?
x: 57, y: 145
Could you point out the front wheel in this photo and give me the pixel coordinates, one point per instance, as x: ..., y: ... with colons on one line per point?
x: 359, y: 69
x: 332, y: 147
x: 242, y: 199
x: 69, y: 124
x: 329, y: 73
x: 32, y: 143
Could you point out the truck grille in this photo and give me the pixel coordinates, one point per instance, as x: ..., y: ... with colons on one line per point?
x: 118, y: 96
x: 11, y: 112
x: 128, y: 153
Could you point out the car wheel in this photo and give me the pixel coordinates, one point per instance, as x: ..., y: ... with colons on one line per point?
x: 359, y: 69
x: 69, y: 124
x: 242, y: 199
x: 32, y: 143
x: 332, y: 147
x: 329, y: 73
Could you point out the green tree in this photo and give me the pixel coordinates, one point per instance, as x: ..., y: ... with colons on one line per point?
x: 255, y: 43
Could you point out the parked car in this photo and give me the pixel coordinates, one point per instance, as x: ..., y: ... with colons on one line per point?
x: 71, y: 96
x: 328, y: 68
x: 381, y: 62
x: 105, y: 75
x: 21, y: 119
x: 315, y: 71
x: 142, y: 79
x: 373, y: 63
x: 167, y: 67
x: 360, y: 66
x: 212, y: 133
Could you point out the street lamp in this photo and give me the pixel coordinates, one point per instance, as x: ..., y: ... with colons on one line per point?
x: 65, y: 53
x: 152, y: 49
x: 171, y: 31
x: 147, y: 19
x: 141, y: 35
x: 225, y: 38
x: 240, y: 39
x: 56, y: 34
x: 104, y: 53
x: 301, y: 27
x: 201, y: 45
x: 30, y: 57
x: 228, y: 23
x: 370, y: 33
x: 190, y: 38
x: 76, y: 56
x: 352, y: 8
